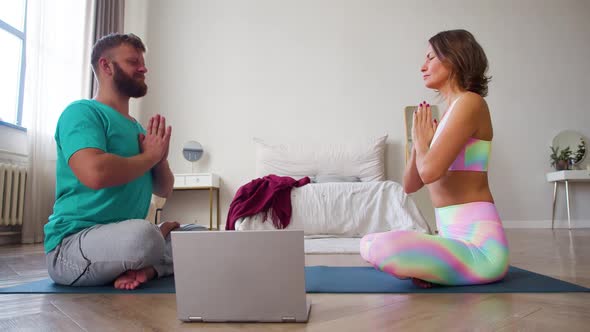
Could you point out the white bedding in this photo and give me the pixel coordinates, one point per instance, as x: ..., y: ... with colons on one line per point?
x: 347, y: 209
x: 332, y: 245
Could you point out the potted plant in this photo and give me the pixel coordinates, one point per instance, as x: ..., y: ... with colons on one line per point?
x: 560, y: 159
x: 581, y: 151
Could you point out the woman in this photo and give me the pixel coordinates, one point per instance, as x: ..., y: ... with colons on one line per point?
x: 451, y: 159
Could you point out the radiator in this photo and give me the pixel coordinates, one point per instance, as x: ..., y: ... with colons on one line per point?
x: 13, y: 180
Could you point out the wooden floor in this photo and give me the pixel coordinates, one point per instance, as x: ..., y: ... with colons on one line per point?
x: 561, y: 254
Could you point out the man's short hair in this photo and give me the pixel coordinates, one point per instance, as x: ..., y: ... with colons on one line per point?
x: 111, y: 41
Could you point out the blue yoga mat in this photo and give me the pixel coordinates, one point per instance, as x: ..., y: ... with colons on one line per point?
x: 330, y: 279
x: 325, y: 279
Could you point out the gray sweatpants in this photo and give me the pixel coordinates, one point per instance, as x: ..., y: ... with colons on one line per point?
x: 99, y: 254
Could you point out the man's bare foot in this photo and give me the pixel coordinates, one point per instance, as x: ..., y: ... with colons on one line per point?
x: 133, y: 278
x: 422, y: 283
x: 167, y: 227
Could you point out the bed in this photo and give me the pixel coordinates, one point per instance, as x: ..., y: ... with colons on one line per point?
x: 349, y: 196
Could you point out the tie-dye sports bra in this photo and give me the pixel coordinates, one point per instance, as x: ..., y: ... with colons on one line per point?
x: 475, y: 154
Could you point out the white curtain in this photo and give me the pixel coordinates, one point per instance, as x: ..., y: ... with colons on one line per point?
x: 58, y: 46
x: 109, y: 17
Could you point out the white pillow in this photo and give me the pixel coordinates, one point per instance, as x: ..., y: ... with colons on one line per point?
x: 364, y: 159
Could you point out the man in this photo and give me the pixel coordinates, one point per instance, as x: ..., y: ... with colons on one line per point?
x: 107, y: 168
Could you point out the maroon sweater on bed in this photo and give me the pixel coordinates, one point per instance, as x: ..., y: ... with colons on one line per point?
x: 271, y: 193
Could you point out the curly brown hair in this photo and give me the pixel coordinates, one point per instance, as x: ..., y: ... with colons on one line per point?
x: 468, y: 61
x: 111, y: 41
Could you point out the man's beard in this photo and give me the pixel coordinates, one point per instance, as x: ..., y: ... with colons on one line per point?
x: 127, y: 85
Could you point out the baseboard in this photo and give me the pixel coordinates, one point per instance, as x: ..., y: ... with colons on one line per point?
x: 561, y: 223
x: 10, y: 234
x: 10, y: 239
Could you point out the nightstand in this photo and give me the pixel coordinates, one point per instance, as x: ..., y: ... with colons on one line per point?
x: 565, y: 177
x: 201, y: 181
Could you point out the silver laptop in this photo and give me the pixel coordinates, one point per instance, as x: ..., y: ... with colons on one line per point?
x: 241, y: 276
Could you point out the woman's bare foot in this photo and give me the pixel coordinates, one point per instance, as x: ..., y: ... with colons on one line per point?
x: 421, y: 283
x: 133, y: 278
x: 167, y: 227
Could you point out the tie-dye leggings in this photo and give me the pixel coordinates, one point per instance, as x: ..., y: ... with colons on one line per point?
x: 471, y: 248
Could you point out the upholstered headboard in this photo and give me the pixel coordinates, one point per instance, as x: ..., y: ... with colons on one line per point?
x: 364, y: 159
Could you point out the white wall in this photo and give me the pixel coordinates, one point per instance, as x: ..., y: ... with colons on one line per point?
x: 224, y: 71
x: 13, y: 141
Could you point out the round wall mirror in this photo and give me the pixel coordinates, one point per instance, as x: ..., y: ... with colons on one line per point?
x: 192, y: 151
x: 575, y: 141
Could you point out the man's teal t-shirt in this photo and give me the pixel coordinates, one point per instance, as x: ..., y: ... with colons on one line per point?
x: 91, y: 124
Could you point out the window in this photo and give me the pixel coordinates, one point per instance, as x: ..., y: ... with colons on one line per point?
x: 12, y: 61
